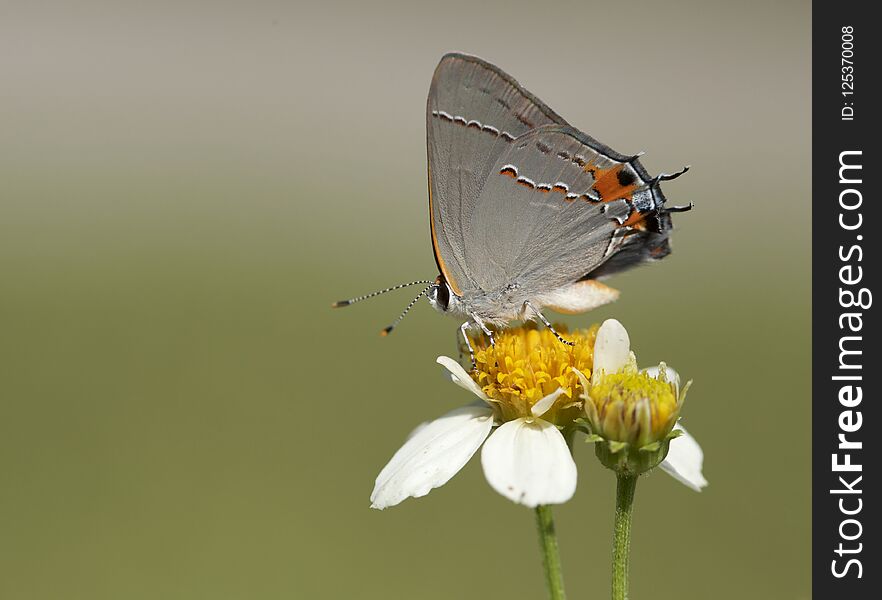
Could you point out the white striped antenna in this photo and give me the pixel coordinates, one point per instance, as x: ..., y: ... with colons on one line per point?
x: 341, y: 303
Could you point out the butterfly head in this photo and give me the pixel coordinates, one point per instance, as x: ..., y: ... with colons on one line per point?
x: 441, y: 296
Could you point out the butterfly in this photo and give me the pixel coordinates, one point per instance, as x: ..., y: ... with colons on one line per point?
x: 525, y: 211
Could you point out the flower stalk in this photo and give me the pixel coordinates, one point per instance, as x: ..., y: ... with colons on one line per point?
x: 550, y: 552
x: 625, y: 487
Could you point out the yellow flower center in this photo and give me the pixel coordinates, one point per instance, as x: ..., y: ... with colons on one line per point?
x: 526, y: 364
x: 633, y: 407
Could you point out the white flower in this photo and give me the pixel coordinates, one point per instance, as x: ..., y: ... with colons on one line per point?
x: 527, y: 459
x: 612, y: 355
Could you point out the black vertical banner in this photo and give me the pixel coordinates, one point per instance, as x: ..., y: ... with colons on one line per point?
x: 846, y: 57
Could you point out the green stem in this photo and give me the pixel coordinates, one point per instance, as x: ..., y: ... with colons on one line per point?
x: 550, y: 552
x: 625, y: 486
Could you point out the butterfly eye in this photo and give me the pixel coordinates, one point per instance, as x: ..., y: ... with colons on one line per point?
x: 443, y: 295
x: 440, y: 293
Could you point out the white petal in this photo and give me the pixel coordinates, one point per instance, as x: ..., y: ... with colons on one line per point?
x: 433, y: 454
x: 612, y: 348
x: 684, y: 461
x: 529, y: 463
x: 461, y: 378
x: 541, y: 407
x: 417, y: 429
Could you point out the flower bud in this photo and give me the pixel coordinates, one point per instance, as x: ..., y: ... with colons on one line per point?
x: 630, y: 413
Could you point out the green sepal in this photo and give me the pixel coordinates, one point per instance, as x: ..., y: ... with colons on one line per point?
x: 675, y: 433
x: 616, y: 447
x: 592, y: 438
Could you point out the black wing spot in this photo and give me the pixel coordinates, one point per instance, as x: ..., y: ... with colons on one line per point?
x: 625, y: 177
x: 543, y: 147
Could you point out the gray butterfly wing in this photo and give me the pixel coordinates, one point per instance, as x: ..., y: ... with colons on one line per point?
x: 555, y: 206
x: 473, y: 114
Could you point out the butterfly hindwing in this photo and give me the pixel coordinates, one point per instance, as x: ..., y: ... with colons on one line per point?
x: 554, y: 207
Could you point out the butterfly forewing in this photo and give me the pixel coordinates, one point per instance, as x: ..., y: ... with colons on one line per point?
x: 474, y: 113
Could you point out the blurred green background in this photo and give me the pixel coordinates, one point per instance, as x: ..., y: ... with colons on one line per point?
x: 188, y: 185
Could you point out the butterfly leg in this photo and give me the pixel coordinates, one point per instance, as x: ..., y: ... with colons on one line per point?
x: 464, y: 330
x: 487, y: 331
x: 547, y: 324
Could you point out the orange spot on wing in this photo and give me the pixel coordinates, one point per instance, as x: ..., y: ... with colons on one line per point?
x: 635, y: 220
x: 606, y: 183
